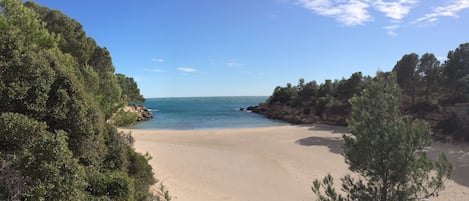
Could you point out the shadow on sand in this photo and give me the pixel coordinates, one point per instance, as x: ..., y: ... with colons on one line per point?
x: 458, y: 155
x: 334, y: 144
x: 334, y: 129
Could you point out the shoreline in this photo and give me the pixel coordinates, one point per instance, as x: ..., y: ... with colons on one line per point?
x: 265, y: 163
x: 219, y: 128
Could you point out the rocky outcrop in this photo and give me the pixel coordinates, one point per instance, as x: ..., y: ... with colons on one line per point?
x: 296, y: 115
x: 142, y: 112
x: 434, y: 115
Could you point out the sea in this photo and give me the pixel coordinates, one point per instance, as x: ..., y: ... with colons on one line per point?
x: 201, y: 113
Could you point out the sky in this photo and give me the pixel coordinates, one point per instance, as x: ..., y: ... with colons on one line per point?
x: 188, y: 48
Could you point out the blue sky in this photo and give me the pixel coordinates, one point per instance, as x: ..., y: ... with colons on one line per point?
x: 181, y: 48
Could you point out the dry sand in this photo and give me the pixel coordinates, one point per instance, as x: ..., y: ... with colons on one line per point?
x: 263, y: 164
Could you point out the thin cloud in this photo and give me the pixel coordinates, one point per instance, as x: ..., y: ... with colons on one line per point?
x: 391, y: 29
x: 234, y: 64
x: 396, y: 10
x: 356, y: 12
x: 273, y: 16
x: 187, y: 70
x: 450, y: 10
x: 156, y: 70
x: 158, y: 60
x: 350, y: 13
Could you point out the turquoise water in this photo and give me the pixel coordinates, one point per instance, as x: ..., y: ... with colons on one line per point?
x: 204, y: 113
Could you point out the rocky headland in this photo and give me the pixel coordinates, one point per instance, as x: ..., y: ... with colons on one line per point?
x: 297, y: 115
x: 142, y: 112
x: 443, y: 119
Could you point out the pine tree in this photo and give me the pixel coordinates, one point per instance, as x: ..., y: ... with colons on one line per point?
x: 385, y: 150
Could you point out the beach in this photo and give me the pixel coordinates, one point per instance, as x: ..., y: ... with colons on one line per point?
x: 275, y: 163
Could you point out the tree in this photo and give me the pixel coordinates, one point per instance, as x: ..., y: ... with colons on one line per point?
x: 54, y: 141
x: 284, y: 95
x: 346, y: 89
x: 326, y: 88
x: 48, y: 170
x: 429, y: 70
x: 456, y: 68
x: 72, y: 38
x: 109, y: 92
x: 129, y: 89
x: 385, y: 149
x: 27, y: 22
x: 405, y: 70
x: 308, y: 93
x: 93, y: 63
x: 24, y: 78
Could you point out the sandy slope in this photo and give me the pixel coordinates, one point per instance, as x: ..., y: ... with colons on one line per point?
x: 262, y: 164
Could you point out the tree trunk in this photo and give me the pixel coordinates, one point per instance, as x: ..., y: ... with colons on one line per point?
x: 384, y: 188
x: 427, y: 91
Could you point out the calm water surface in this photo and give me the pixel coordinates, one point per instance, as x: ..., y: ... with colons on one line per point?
x: 204, y: 113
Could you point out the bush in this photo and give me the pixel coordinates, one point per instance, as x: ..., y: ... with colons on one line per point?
x: 425, y: 106
x: 453, y: 99
x: 455, y: 126
x: 52, y: 171
x: 112, y: 185
x: 116, y: 157
x: 141, y: 171
x: 123, y: 118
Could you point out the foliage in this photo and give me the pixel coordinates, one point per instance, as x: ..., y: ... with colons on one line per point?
x: 130, y: 90
x: 429, y: 73
x: 123, y: 118
x: 385, y: 149
x: 117, y: 157
x: 112, y: 185
x: 94, y: 63
x: 52, y: 171
x: 406, y: 71
x: 427, y: 87
x: 455, y: 126
x: 141, y: 172
x: 423, y: 106
x: 57, y: 89
x: 284, y: 94
x: 42, y: 160
x: 456, y: 68
x: 328, y: 98
x: 163, y: 194
x: 330, y: 192
x: 71, y: 37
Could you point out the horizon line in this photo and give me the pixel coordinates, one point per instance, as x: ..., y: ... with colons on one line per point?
x: 216, y: 96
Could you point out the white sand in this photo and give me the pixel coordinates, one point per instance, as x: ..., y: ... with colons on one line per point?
x: 262, y: 164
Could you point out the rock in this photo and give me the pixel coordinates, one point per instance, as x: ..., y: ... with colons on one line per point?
x: 250, y: 108
x: 142, y: 112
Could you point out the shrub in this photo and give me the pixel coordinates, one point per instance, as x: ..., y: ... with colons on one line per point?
x: 112, y: 185
x: 424, y: 106
x: 123, y: 118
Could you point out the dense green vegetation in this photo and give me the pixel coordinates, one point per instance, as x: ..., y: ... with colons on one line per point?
x: 434, y: 91
x: 385, y: 150
x: 57, y: 89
